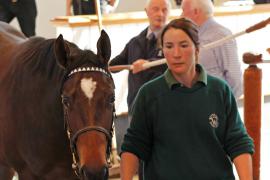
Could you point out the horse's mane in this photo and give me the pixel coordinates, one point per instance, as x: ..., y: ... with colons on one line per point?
x: 36, y: 57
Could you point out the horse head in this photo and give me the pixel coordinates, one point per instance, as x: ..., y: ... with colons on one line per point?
x: 88, y: 102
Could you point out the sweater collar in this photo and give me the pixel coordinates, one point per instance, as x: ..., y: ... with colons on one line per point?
x: 172, y: 82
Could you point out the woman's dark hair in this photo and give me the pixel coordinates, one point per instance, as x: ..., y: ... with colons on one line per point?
x: 187, y: 26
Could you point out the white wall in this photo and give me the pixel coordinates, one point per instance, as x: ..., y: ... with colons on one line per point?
x: 48, y: 9
x: 134, y: 5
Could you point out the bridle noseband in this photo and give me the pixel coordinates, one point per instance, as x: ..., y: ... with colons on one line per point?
x: 73, y: 138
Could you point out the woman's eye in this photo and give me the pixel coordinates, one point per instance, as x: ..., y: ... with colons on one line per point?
x: 184, y: 45
x: 168, y: 46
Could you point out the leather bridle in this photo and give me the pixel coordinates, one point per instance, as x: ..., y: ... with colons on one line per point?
x: 74, y: 136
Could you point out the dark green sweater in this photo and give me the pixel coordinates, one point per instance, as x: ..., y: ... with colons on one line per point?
x: 187, y: 133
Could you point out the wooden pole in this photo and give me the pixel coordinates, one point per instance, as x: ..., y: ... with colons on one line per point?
x: 252, y: 111
x: 98, y: 14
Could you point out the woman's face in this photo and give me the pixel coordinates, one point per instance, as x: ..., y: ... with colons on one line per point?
x: 179, y: 51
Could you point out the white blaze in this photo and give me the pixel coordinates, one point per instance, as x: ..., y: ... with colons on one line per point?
x: 88, y: 87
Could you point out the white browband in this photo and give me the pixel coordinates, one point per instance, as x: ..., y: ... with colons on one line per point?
x: 88, y: 69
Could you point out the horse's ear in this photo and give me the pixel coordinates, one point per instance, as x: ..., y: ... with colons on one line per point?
x: 104, y: 48
x: 61, y: 51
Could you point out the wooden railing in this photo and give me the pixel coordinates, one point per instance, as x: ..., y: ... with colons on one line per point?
x: 253, y: 105
x: 140, y: 16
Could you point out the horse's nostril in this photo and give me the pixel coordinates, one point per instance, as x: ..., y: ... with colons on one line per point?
x: 101, y: 174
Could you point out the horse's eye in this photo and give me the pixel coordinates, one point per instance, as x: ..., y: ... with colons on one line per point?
x: 112, y: 99
x: 65, y: 101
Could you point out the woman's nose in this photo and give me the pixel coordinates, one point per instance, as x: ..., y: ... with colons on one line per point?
x: 176, y: 52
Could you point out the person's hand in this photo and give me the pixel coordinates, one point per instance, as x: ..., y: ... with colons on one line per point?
x: 111, y: 2
x: 68, y: 13
x: 138, y: 65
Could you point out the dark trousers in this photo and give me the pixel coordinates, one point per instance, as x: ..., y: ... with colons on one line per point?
x: 25, y: 12
x: 261, y: 1
x: 83, y: 7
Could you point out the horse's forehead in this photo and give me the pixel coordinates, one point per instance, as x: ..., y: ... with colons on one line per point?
x: 90, y: 84
x: 88, y: 87
x: 99, y: 79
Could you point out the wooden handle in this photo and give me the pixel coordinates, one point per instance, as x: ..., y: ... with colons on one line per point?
x: 250, y: 58
x: 259, y: 25
x: 98, y: 13
x: 120, y: 68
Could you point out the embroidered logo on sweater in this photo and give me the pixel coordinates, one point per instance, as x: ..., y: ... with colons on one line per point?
x: 213, y: 120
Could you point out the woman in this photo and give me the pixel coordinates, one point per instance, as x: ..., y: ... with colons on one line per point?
x: 185, y: 123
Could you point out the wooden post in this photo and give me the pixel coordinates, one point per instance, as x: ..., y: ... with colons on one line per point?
x: 252, y: 111
x: 98, y: 13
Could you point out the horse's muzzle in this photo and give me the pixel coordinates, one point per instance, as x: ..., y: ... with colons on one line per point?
x: 102, y: 174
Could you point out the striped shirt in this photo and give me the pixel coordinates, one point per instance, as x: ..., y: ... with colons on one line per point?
x: 221, y: 61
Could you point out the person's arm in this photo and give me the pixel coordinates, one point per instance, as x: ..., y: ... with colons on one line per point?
x: 243, y: 164
x: 121, y: 59
x: 129, y: 165
x: 238, y: 144
x: 68, y: 7
x: 231, y: 66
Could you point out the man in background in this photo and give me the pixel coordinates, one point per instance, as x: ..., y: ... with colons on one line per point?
x: 24, y: 10
x: 221, y: 61
x: 144, y: 48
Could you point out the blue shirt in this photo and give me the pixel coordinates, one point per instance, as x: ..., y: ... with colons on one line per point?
x: 221, y: 61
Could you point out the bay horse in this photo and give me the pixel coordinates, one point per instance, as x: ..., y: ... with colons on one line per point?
x: 56, y: 108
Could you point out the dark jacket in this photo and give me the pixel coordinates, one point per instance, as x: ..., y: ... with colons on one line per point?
x: 135, y: 49
x: 83, y: 7
x: 261, y: 1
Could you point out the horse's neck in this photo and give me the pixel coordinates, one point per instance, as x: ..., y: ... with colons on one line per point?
x: 11, y: 38
x: 11, y: 34
x: 8, y: 45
